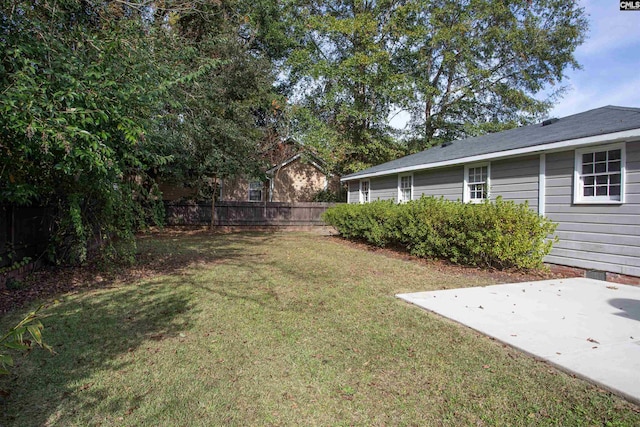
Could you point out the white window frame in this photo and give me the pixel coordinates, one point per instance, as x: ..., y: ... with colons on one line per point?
x: 361, y: 197
x: 250, y: 190
x: 400, y: 176
x: 578, y: 197
x: 466, y: 196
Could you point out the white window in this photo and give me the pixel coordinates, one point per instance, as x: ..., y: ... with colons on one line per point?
x: 364, y: 191
x: 405, y: 188
x: 255, y: 191
x: 599, y: 175
x: 476, y: 183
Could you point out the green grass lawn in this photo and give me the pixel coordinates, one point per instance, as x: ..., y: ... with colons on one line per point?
x: 281, y: 329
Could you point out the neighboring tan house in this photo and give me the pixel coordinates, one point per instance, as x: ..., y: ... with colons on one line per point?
x: 296, y: 176
x: 581, y: 171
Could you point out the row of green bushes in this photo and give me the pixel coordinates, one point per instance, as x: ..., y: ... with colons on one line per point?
x: 494, y: 234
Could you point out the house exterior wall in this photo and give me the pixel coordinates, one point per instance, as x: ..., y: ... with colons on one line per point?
x: 599, y: 237
x: 516, y: 180
x: 237, y: 190
x: 353, y: 191
x: 384, y: 188
x: 447, y: 182
x: 591, y: 236
x: 297, y: 182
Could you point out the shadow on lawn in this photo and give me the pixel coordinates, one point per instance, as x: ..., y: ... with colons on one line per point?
x: 90, y: 333
x: 158, y: 253
x: 171, y: 253
x: 103, y: 329
x: 99, y: 331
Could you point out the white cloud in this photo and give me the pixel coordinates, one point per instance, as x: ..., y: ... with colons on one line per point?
x: 610, y: 28
x: 575, y: 100
x: 582, y: 97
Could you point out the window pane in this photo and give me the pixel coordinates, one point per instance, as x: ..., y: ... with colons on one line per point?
x: 476, y: 191
x: 255, y: 195
x: 478, y: 175
x: 614, y: 166
x: 615, y: 154
x: 600, y: 173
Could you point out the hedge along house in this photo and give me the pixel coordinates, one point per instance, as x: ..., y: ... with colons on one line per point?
x: 580, y: 171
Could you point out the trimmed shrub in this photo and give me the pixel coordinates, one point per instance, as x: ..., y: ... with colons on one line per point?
x: 495, y: 234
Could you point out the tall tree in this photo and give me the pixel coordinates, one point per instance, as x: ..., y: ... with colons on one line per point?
x: 478, y: 65
x: 217, y: 122
x: 342, y: 72
x: 459, y: 67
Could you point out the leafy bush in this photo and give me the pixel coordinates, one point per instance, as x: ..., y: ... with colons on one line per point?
x: 338, y: 195
x: 493, y: 234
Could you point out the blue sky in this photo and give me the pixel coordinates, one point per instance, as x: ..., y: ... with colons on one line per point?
x: 610, y: 59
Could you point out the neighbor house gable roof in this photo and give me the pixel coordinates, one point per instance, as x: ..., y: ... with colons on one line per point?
x: 602, y: 124
x: 313, y: 160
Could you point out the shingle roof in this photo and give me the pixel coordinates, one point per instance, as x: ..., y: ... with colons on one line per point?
x: 600, y: 121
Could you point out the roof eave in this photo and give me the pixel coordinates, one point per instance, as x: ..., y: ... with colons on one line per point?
x: 542, y: 148
x: 316, y: 162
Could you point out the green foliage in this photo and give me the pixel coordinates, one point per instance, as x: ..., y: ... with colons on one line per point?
x: 458, y: 68
x: 330, y: 196
x: 15, y: 339
x: 499, y: 234
x: 102, y: 99
x: 469, y: 69
x: 220, y: 114
x: 342, y: 66
x: 81, y: 83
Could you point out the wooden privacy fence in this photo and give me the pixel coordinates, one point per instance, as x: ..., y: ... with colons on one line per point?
x: 248, y: 214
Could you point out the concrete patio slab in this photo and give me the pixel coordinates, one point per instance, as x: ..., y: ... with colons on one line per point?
x: 587, y: 327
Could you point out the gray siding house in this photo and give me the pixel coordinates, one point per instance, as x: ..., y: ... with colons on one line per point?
x: 580, y: 171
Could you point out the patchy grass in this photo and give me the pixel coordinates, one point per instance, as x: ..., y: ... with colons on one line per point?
x: 281, y: 329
